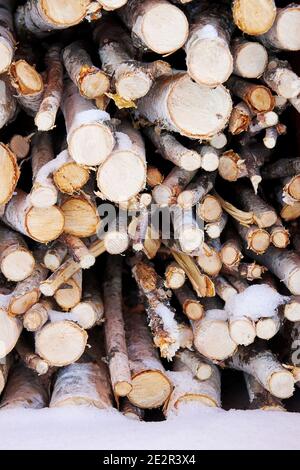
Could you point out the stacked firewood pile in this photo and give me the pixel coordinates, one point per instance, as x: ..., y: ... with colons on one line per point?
x: 181, y: 112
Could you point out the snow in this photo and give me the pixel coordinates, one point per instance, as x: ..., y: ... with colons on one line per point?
x: 216, y: 314
x: 194, y: 428
x: 255, y: 302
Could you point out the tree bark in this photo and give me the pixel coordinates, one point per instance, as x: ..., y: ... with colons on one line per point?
x: 284, y: 32
x: 41, y: 17
x: 7, y: 38
x: 27, y: 292
x: 170, y: 149
x: 190, y: 390
x: 24, y: 390
x: 43, y: 193
x: 265, y: 368
x: 69, y: 294
x: 90, y: 80
x: 46, y: 115
x: 150, y: 384
x: 42, y: 225
x: 115, y: 341
x: 16, y: 261
x: 82, y: 384
x: 8, y: 103
x: 280, y: 77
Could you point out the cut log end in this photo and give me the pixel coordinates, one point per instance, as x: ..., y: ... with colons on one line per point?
x: 43, y: 197
x: 191, y: 238
x: 17, y: 265
x: 45, y: 225
x: 190, y: 160
x: 216, y: 102
x: 254, y: 17
x: 251, y: 60
x: 193, y: 397
x: 60, y: 343
x: 28, y: 80
x: 292, y: 311
x: 266, y: 328
x: 281, y: 384
x: 91, y: 144
x: 287, y: 28
x: 213, y: 340
x: 70, y: 177
x: 242, y: 331
x: 9, y: 174
x: 6, y: 55
x: 122, y: 389
x: 200, y: 65
x: 64, y: 13
x: 158, y: 26
x: 210, y: 209
x: 193, y: 310
x: 81, y: 217
x: 150, y: 389
x: 94, y: 84
x: 122, y: 176
x: 45, y: 120
x: 132, y: 86
x: 259, y: 241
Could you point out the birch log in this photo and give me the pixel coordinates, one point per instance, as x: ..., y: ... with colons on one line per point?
x: 254, y: 17
x: 284, y: 33
x: 40, y: 17
x: 164, y: 328
x: 89, y: 312
x: 82, y: 384
x: 78, y: 250
x: 280, y: 77
x: 150, y: 384
x: 29, y: 86
x: 178, y: 104
x: 26, y: 292
x: 54, y: 256
x: 10, y: 174
x: 191, y: 307
x: 29, y: 358
x: 123, y: 174
x: 116, y: 348
x: 10, y: 328
x: 190, y: 390
x: 285, y: 264
x: 43, y: 193
x: 37, y: 315
x: 258, y: 97
x: 259, y: 397
x: 7, y: 39
x: 46, y: 115
x: 90, y: 139
x: 68, y: 176
x: 60, y: 343
x: 249, y: 58
x: 43, y: 225
x: 8, y: 103
x: 90, y: 80
x: 81, y: 215
x: 131, y: 79
x: 266, y: 369
x: 155, y: 25
x: 209, y: 60
x: 69, y: 294
x: 169, y: 147
x: 16, y: 261
x: 211, y: 336
x: 24, y: 390
x: 166, y: 193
